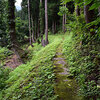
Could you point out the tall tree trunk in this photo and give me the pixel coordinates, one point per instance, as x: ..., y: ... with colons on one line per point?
x: 29, y: 17
x: 11, y: 18
x: 38, y: 30
x: 36, y: 35
x: 41, y: 21
x: 89, y: 16
x: 41, y: 2
x: 77, y: 11
x: 32, y: 30
x: 12, y: 31
x: 53, y: 25
x: 64, y: 21
x: 46, y: 24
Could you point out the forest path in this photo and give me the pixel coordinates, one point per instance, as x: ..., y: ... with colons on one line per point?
x: 65, y: 86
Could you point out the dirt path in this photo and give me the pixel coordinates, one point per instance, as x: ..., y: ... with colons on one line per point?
x: 65, y: 87
x: 12, y: 61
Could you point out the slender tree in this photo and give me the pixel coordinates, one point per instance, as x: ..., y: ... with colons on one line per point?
x: 29, y: 18
x: 33, y: 40
x: 64, y: 20
x: 41, y: 20
x: 46, y: 24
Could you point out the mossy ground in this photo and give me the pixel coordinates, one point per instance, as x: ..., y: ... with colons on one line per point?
x: 65, y: 88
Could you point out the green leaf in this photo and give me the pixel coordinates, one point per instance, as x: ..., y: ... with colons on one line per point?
x: 95, y: 6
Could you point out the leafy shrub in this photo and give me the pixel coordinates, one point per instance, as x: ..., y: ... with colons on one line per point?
x: 84, y: 64
x: 4, y: 72
x: 4, y: 52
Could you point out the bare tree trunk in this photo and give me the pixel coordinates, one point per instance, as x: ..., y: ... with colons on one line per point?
x: 11, y: 18
x: 87, y: 14
x: 63, y: 23
x: 41, y: 1
x: 29, y: 17
x: 38, y: 30
x: 46, y: 24
x: 53, y: 31
x: 32, y: 30
x: 41, y: 22
x: 55, y: 27
x: 77, y: 11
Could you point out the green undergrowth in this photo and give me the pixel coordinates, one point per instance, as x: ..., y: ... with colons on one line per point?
x: 37, y: 47
x: 4, y: 53
x: 4, y: 72
x: 34, y: 80
x: 83, y: 62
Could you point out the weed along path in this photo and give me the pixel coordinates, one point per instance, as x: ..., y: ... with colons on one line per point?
x: 65, y: 86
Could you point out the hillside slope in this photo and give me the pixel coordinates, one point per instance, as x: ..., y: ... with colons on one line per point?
x: 34, y: 80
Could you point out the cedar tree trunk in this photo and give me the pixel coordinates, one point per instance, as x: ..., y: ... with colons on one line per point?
x: 46, y: 24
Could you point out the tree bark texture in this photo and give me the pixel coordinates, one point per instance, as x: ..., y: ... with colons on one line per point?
x: 11, y: 18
